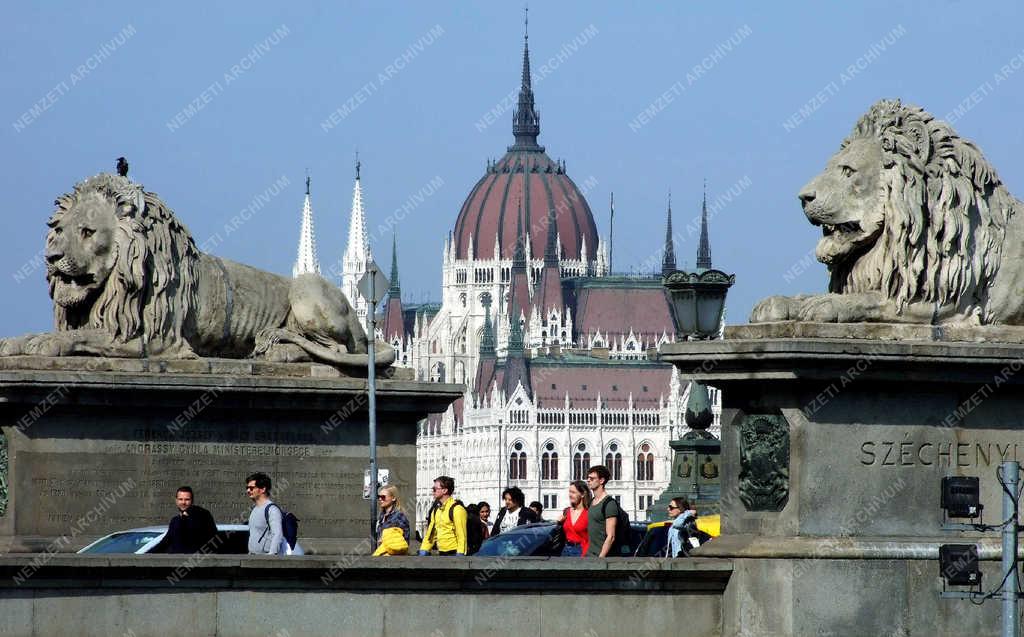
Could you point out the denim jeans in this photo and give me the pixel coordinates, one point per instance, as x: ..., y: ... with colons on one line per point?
x: 572, y: 550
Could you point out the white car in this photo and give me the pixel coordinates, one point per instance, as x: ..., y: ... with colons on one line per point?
x: 234, y: 540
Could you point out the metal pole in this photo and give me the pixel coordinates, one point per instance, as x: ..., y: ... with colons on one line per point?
x: 1011, y: 475
x: 371, y: 390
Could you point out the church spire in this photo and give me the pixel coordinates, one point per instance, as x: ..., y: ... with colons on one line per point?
x: 611, y: 232
x: 395, y: 291
x: 704, y: 247
x: 526, y: 119
x: 668, y: 261
x: 306, y: 261
x: 357, y: 250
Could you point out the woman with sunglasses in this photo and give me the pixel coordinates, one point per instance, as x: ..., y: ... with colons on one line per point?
x: 392, y: 525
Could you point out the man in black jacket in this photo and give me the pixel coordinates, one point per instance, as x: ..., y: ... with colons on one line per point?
x: 191, y: 529
x: 514, y: 513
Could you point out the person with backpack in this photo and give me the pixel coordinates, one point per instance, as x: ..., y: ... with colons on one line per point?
x: 607, y: 523
x: 392, y: 525
x: 266, y: 533
x: 446, y: 522
x: 514, y: 513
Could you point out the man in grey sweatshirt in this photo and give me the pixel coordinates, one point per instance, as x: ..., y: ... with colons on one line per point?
x: 264, y: 539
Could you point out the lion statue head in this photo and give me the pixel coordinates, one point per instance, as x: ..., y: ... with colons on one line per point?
x: 118, y: 260
x: 912, y: 211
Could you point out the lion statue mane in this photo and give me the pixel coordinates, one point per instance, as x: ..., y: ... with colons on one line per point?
x: 128, y: 281
x: 917, y: 228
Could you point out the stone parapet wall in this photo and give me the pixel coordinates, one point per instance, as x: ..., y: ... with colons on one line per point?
x: 365, y: 597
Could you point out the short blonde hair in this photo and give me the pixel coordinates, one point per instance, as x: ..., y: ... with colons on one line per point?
x: 393, y: 492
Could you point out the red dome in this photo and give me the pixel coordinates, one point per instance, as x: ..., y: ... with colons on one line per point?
x: 530, y: 177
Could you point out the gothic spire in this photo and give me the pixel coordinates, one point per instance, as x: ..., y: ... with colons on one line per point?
x: 704, y: 247
x: 519, y: 256
x: 357, y: 250
x: 525, y: 118
x: 611, y: 233
x: 487, y: 338
x: 668, y: 261
x: 551, y: 248
x: 306, y: 261
x: 395, y: 291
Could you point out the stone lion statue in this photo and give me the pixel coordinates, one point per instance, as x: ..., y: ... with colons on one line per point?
x: 917, y: 228
x: 127, y: 281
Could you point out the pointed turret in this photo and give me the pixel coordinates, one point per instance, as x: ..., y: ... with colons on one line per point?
x: 611, y: 232
x: 394, y: 325
x: 549, y: 294
x: 526, y: 119
x: 519, y: 285
x: 704, y: 247
x: 306, y: 262
x: 396, y: 287
x: 668, y: 261
x: 357, y: 251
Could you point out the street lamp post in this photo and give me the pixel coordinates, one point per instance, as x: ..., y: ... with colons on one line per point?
x: 697, y: 302
x: 372, y: 286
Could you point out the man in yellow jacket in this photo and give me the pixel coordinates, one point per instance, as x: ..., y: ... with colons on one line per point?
x: 446, y: 526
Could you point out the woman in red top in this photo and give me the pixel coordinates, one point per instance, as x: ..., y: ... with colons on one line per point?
x: 574, y: 520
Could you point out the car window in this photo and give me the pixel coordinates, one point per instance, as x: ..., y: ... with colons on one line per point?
x: 513, y: 543
x: 128, y: 542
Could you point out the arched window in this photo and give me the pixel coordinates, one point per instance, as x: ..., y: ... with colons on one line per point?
x: 645, y: 463
x: 580, y: 462
x: 613, y: 460
x: 549, y: 463
x: 437, y: 373
x: 517, y: 462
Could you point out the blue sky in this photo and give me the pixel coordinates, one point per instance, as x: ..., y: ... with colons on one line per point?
x: 216, y: 107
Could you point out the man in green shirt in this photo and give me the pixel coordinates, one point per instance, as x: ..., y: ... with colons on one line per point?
x: 602, y: 516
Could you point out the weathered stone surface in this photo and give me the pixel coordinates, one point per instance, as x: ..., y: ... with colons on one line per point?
x: 917, y: 228
x: 874, y: 426
x: 92, y: 452
x: 1012, y: 334
x: 128, y: 281
x: 366, y: 597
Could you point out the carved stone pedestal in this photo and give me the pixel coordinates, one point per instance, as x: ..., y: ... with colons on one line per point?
x: 90, y: 445
x: 832, y: 455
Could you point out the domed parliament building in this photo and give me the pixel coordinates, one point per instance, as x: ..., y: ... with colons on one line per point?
x: 556, y: 352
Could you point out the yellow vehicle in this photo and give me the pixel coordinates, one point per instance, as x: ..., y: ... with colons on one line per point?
x: 656, y: 540
x: 710, y: 524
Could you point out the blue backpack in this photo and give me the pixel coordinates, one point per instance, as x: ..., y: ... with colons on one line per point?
x: 289, y: 525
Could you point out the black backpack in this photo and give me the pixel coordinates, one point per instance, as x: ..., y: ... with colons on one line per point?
x: 289, y: 525
x: 622, y: 545
x: 451, y: 512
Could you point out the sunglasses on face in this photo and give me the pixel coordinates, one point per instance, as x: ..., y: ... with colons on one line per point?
x: 673, y: 508
x: 382, y: 497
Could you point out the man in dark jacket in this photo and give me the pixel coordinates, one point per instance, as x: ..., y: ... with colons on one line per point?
x: 514, y: 513
x: 191, y: 529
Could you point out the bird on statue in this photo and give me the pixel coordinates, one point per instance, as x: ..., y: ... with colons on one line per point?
x: 122, y: 166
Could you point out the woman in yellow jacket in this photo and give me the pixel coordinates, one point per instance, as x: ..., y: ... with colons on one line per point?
x: 392, y: 525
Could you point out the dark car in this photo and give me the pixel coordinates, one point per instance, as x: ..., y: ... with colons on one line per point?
x: 655, y: 541
x: 540, y: 539
x: 543, y: 539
